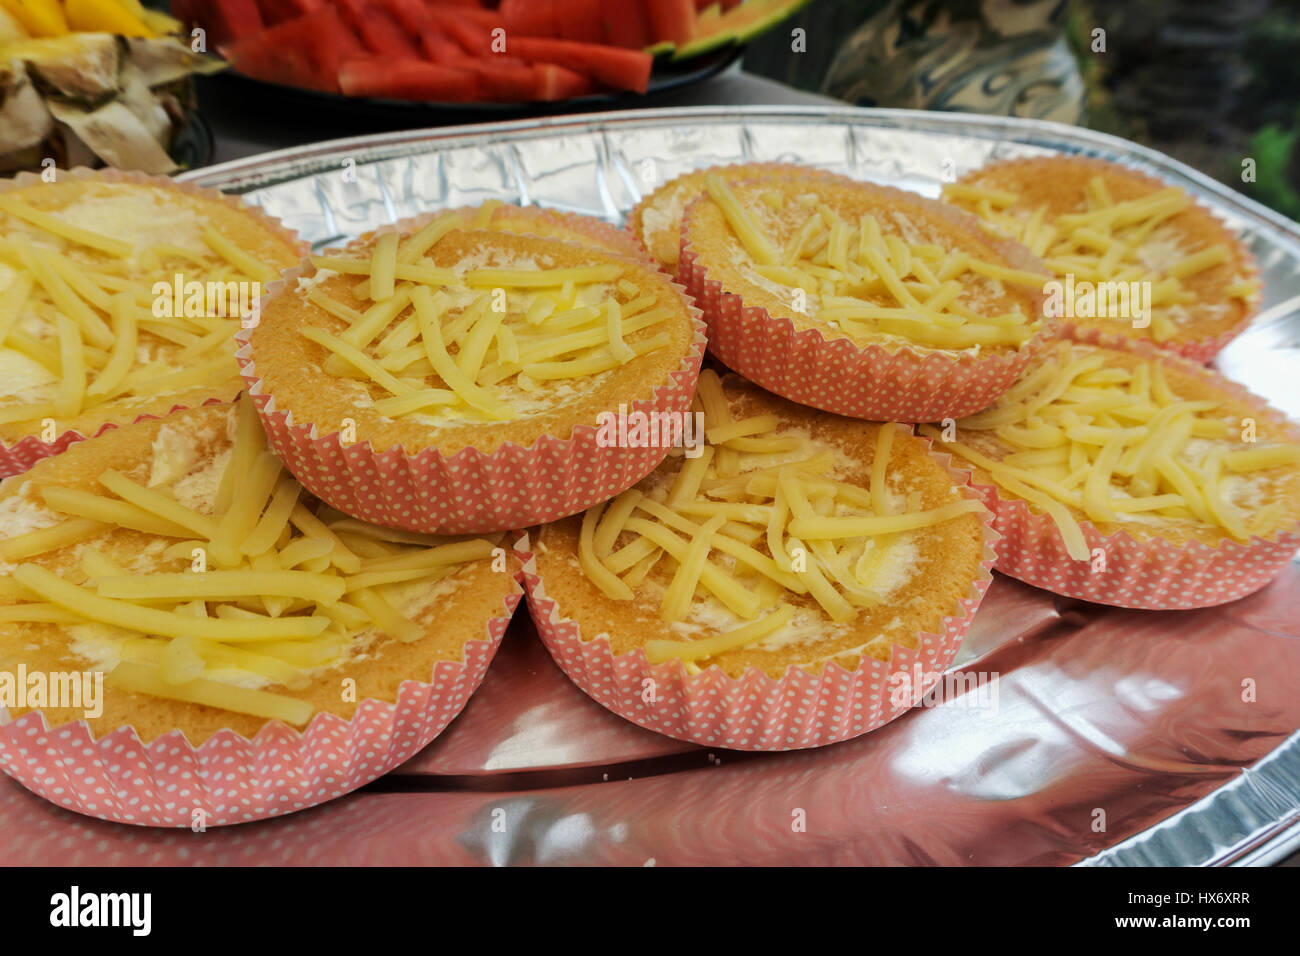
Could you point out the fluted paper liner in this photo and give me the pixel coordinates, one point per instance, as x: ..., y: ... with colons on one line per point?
x: 879, y: 382
x: 470, y: 492
x: 27, y: 451
x: 1141, y: 572
x: 229, y: 778
x: 1202, y: 350
x: 756, y: 712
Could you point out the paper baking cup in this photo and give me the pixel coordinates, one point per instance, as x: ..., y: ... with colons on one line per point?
x: 469, y: 492
x: 21, y: 455
x: 230, y: 778
x: 792, y: 170
x: 1202, y: 350
x: 875, y: 382
x: 1150, y: 573
x: 755, y: 712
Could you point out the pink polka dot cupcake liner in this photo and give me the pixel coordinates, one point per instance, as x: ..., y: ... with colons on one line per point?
x: 1201, y: 351
x: 874, y: 382
x: 19, y: 456
x: 470, y: 492
x: 229, y: 778
x: 1141, y: 572
x: 756, y: 712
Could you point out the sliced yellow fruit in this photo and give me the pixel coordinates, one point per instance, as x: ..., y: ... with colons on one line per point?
x: 11, y: 31
x: 40, y: 18
x: 104, y: 16
x: 160, y: 23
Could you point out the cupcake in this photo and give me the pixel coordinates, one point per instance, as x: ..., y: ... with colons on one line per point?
x: 239, y: 638
x: 860, y: 299
x: 119, y: 298
x: 1136, y: 258
x: 657, y: 220
x: 1135, y: 478
x: 802, y: 580
x: 459, y: 381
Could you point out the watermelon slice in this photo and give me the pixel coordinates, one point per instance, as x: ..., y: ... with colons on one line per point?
x: 227, y: 20
x: 623, y: 69
x: 626, y: 24
x: 766, y: 14
x: 532, y: 18
x: 378, y: 32
x: 672, y: 21
x: 581, y: 20
x: 413, y: 15
x: 306, y: 51
x: 472, y: 38
x: 739, y: 24
x: 555, y: 82
x: 407, y: 80
x: 505, y: 82
x: 278, y: 11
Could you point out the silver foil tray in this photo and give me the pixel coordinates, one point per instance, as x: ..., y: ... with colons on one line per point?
x: 602, y: 164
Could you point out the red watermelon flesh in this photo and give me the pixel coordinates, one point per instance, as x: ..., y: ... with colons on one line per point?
x: 474, y: 39
x: 408, y: 80
x: 672, y: 21
x: 226, y: 20
x: 555, y: 82
x: 623, y: 69
x: 581, y: 20
x: 279, y: 11
x: 505, y: 82
x: 378, y: 32
x: 530, y: 18
x: 413, y: 15
x: 306, y: 51
x: 626, y: 24
x: 438, y: 48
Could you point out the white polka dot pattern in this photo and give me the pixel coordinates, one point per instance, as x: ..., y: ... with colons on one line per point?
x: 1201, y: 351
x: 17, y: 458
x: 754, y: 712
x: 233, y: 779
x: 1149, y: 573
x: 469, y: 492
x: 838, y: 375
x: 1140, y: 573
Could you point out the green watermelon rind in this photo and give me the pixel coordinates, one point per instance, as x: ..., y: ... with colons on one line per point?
x: 728, y: 33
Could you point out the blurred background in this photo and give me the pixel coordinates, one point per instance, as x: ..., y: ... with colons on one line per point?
x: 1207, y: 82
x: 125, y: 82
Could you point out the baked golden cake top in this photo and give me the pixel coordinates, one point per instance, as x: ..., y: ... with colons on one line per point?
x: 122, y: 298
x: 657, y: 220
x: 795, y: 538
x: 1097, y: 221
x: 1136, y: 443
x: 179, y: 558
x: 873, y: 265
x: 496, y: 216
x: 454, y: 338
